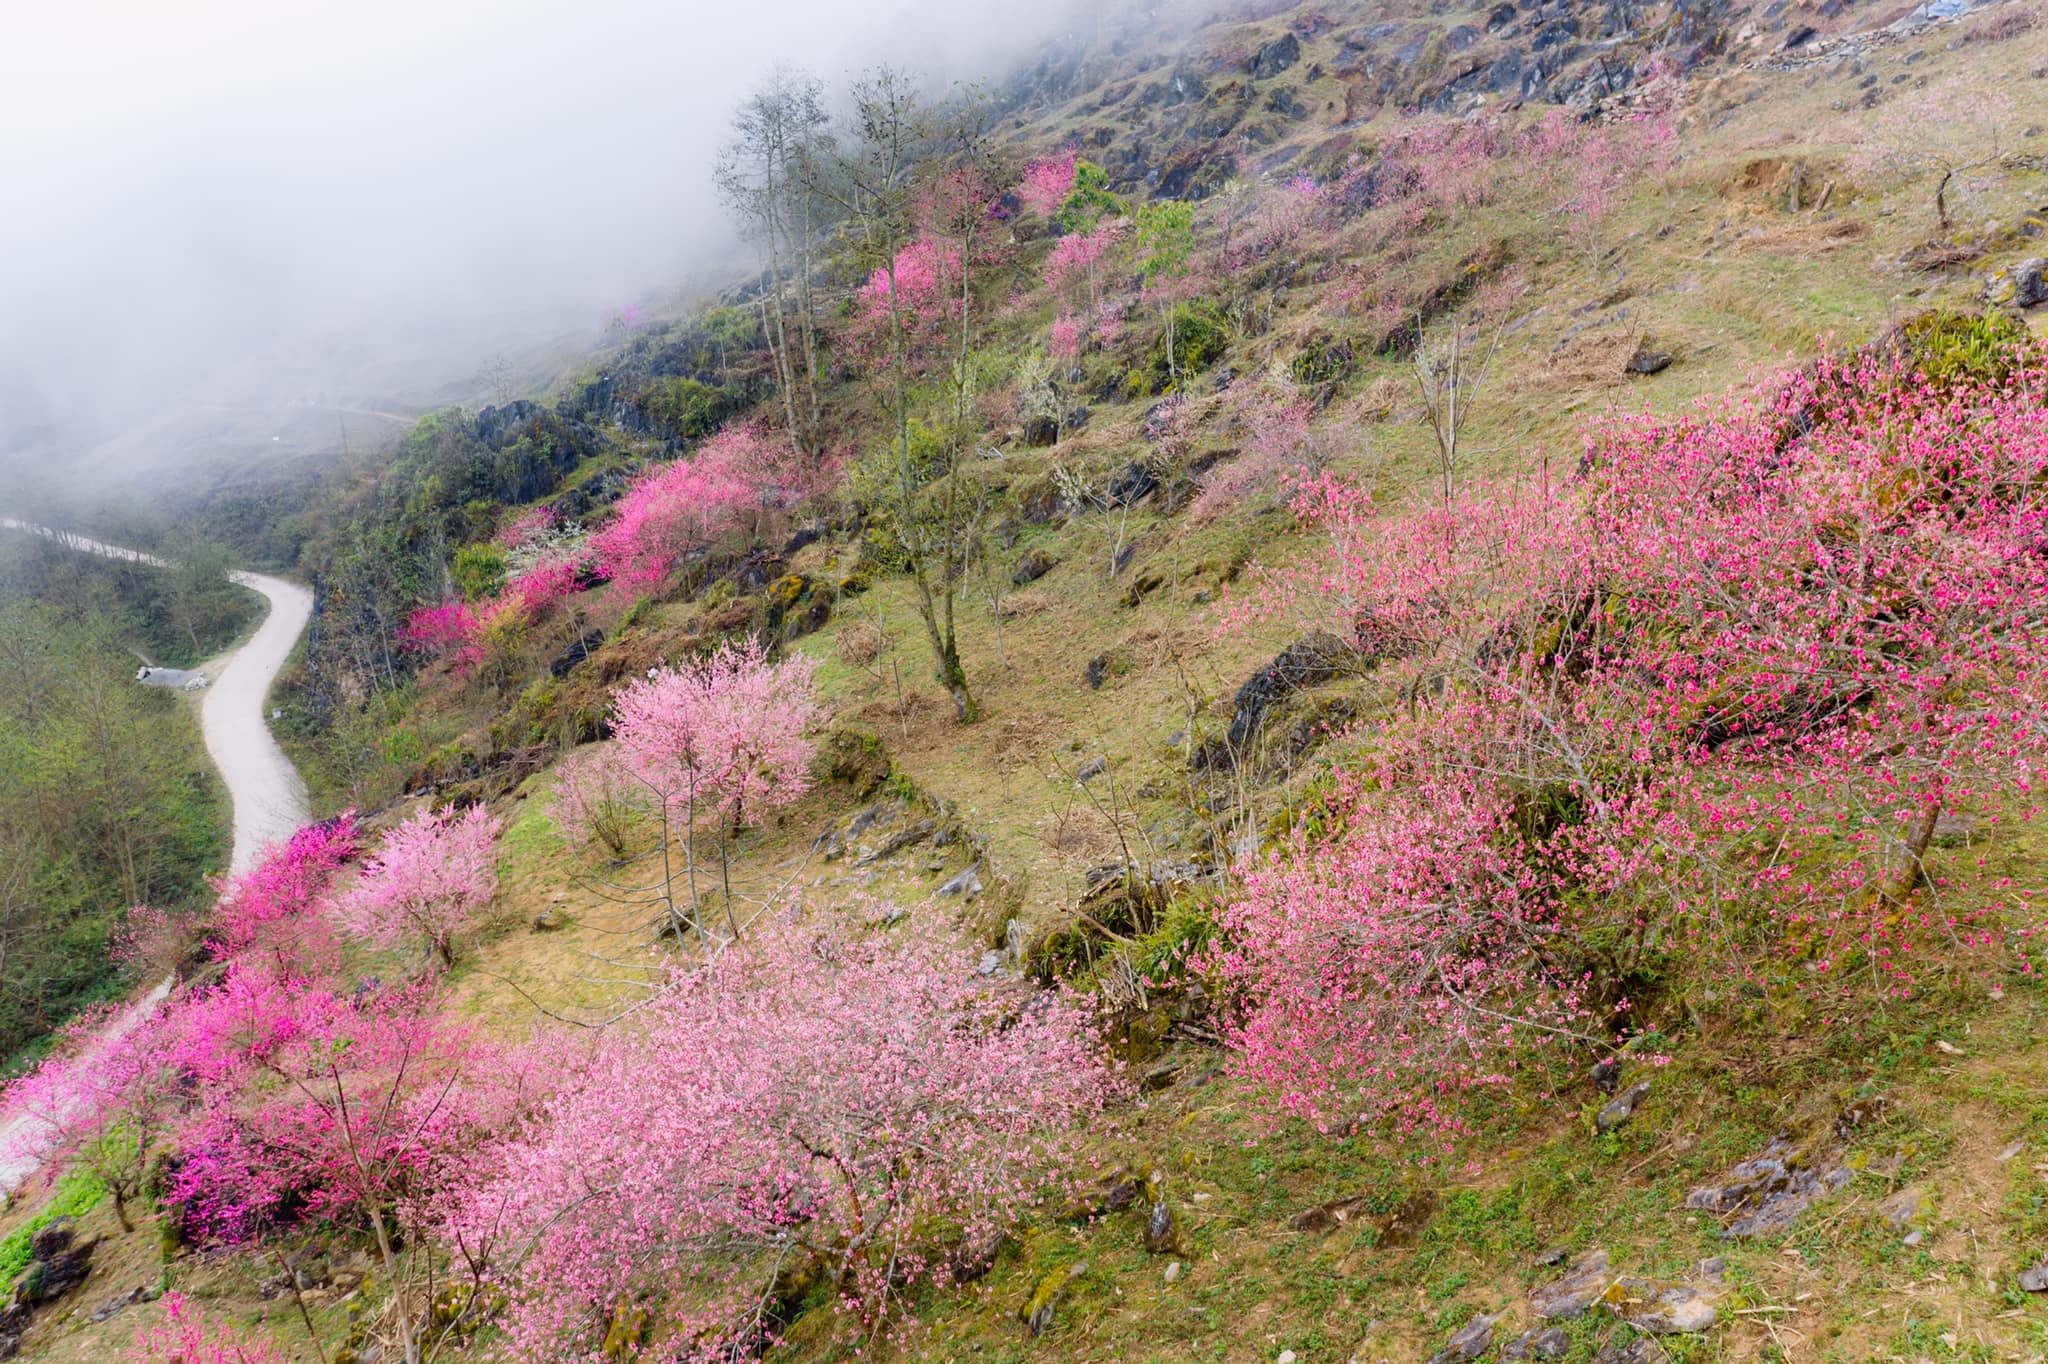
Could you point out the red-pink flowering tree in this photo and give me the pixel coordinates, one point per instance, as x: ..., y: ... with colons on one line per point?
x: 184, y: 1337
x: 102, y: 1101
x: 866, y: 1105
x: 269, y: 909
x: 1715, y: 697
x: 428, y: 880
x: 318, y: 1106
x: 1048, y: 180
x: 724, y: 737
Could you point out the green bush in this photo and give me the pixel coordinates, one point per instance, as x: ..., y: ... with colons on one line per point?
x: 479, y: 571
x: 1957, y: 348
x: 76, y: 1194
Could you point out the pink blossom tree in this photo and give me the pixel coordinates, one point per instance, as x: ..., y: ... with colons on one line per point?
x: 597, y: 801
x: 723, y: 737
x: 867, y: 1106
x: 184, y: 1337
x: 270, y: 909
x: 102, y: 1101
x: 1048, y: 180
x: 428, y: 880
x: 1713, y: 698
x: 322, y: 1107
x: 678, y: 508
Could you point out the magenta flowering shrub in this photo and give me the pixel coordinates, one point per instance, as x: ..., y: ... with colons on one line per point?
x: 1048, y: 180
x: 184, y: 1337
x: 866, y: 1104
x: 268, y: 910
x: 428, y: 880
x: 679, y: 508
x: 1711, y: 698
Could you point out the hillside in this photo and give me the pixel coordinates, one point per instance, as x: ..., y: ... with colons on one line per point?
x: 1379, y: 683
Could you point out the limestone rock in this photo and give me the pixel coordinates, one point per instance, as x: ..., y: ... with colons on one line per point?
x: 1622, y: 1106
x: 1569, y: 1297
x: 1549, y: 1342
x: 1658, y: 1307
x: 2020, y: 285
x: 1037, y: 1313
x: 1472, y: 1341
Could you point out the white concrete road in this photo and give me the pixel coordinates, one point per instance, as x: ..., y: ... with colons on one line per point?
x: 269, y: 797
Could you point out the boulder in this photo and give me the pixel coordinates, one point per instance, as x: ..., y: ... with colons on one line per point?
x: 1548, y: 1342
x: 1765, y: 1193
x: 1648, y: 359
x: 1658, y: 1307
x: 1035, y: 564
x: 1037, y: 1312
x: 1567, y: 1298
x: 1622, y: 1107
x: 1274, y: 57
x: 1474, y: 1338
x: 2020, y: 285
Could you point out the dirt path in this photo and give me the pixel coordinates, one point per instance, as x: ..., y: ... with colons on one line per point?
x: 269, y: 797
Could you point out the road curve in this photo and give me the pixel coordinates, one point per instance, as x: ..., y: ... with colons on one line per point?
x: 269, y: 796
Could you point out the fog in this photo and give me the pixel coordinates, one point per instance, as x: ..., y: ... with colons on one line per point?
x: 234, y: 223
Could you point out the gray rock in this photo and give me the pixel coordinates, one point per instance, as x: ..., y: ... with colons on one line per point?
x: 1660, y: 1308
x: 1091, y: 769
x: 965, y: 883
x: 1648, y: 359
x: 991, y: 962
x: 1275, y: 57
x: 1162, y: 1228
x: 1472, y: 1341
x: 1638, y: 1351
x: 1548, y: 1342
x: 2020, y: 285
x: 1035, y: 564
x: 2035, y: 1278
x: 1622, y: 1106
x: 1900, y: 1210
x: 1767, y: 1192
x: 1569, y: 1297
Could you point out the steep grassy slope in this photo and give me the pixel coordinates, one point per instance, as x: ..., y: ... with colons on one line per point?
x: 1934, y: 1109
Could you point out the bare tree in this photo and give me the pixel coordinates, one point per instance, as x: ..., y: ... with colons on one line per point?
x: 766, y: 175
x: 1450, y: 377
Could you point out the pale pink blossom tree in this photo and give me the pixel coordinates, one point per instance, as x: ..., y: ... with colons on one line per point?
x: 723, y: 737
x: 428, y: 880
x: 867, y: 1106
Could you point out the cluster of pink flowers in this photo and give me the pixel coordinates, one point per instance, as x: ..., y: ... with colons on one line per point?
x: 183, y: 1337
x: 1048, y: 180
x: 912, y: 307
x: 1281, y: 449
x: 1712, y: 698
x: 679, y: 508
x: 725, y: 733
x: 427, y: 881
x: 528, y: 526
x: 866, y: 1104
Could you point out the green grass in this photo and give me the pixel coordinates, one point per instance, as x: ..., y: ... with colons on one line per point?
x: 76, y: 1194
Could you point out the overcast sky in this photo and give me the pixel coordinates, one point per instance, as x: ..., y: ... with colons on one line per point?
x: 251, y: 200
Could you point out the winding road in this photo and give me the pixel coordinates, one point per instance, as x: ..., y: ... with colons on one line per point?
x: 269, y: 796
